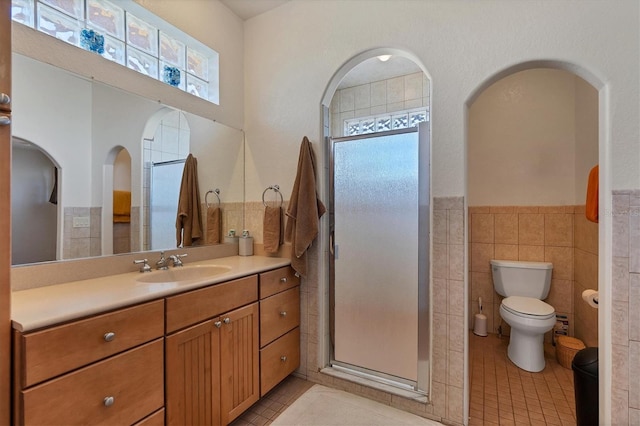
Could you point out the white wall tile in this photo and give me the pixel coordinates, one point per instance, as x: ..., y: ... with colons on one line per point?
x: 395, y: 90
x: 413, y: 86
x: 362, y: 96
x: 347, y: 100
x: 379, y: 93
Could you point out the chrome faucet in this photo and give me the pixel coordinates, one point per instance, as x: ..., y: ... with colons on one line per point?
x: 175, y: 258
x: 163, y: 263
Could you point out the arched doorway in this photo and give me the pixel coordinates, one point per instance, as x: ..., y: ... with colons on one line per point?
x: 376, y: 275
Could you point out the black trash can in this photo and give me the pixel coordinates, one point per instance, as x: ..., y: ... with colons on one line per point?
x: 585, y: 383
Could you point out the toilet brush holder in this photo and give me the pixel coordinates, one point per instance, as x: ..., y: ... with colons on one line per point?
x: 480, y: 325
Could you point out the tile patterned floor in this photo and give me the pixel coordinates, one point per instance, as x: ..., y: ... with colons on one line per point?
x: 503, y: 394
x: 273, y: 403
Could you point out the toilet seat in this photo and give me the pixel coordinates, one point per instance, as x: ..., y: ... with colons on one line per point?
x: 528, y: 307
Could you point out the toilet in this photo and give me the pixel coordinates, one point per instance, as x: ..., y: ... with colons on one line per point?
x: 524, y: 285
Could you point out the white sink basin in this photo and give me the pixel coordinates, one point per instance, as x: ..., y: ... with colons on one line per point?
x: 185, y: 273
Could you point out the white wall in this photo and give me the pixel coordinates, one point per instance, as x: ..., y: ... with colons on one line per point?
x: 45, y: 101
x: 586, y: 118
x: 293, y: 51
x: 521, y: 141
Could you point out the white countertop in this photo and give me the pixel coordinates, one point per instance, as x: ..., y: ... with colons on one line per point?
x: 44, y: 306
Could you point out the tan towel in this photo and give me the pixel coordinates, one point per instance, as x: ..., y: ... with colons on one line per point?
x: 305, y: 209
x: 189, y: 217
x: 272, y: 229
x: 214, y: 225
x: 121, y: 206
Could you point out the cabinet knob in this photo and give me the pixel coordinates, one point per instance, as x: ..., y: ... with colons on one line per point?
x: 283, y: 313
x: 4, y: 99
x: 218, y: 324
x: 108, y: 401
x: 283, y: 280
x: 4, y: 120
x: 108, y: 337
x: 227, y: 320
x: 283, y: 358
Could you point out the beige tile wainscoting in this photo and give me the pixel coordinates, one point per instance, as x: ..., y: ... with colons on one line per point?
x: 557, y: 234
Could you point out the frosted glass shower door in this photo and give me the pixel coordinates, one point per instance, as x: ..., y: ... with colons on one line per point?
x: 376, y: 253
x: 165, y: 190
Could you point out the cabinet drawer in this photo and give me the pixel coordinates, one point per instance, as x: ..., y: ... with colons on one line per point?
x: 57, y: 350
x: 155, y: 419
x: 279, y: 314
x: 279, y: 359
x: 278, y: 280
x: 134, y: 379
x: 195, y: 306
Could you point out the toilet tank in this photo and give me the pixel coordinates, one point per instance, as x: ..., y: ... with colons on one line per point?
x: 517, y: 278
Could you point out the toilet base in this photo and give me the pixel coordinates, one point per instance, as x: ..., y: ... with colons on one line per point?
x: 527, y: 351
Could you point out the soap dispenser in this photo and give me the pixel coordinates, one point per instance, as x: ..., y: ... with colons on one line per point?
x: 245, y: 247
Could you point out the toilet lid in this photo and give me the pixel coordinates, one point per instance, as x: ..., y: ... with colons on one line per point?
x: 528, y: 306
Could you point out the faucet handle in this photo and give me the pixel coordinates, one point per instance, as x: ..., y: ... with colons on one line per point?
x: 145, y: 266
x: 176, y: 259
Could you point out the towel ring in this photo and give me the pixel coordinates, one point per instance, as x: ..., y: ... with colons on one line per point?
x: 214, y: 191
x: 276, y: 189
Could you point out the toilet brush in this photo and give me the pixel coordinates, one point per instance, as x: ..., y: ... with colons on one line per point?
x: 480, y: 323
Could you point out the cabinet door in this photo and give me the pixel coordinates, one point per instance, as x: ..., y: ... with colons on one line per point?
x: 239, y: 361
x: 192, y: 375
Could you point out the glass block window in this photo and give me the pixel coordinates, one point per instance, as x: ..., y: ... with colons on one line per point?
x: 383, y: 123
x: 140, y: 41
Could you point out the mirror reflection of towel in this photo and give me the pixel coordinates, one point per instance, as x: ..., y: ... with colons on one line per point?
x: 304, y: 211
x: 272, y: 229
x: 214, y: 225
x: 121, y: 206
x: 189, y: 217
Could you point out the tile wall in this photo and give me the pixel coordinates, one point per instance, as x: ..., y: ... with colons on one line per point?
x: 82, y: 241
x: 395, y: 94
x: 585, y: 277
x: 520, y: 233
x: 625, y: 315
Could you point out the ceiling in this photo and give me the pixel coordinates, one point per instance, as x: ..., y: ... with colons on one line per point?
x: 366, y: 72
x: 249, y: 8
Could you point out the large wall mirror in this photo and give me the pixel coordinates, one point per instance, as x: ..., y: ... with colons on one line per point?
x: 82, y: 147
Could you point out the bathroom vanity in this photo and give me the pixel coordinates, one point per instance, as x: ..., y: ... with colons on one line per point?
x: 142, y: 349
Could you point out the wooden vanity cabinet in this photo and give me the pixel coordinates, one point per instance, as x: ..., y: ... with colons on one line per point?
x: 212, y: 366
x: 107, y: 369
x: 279, y: 326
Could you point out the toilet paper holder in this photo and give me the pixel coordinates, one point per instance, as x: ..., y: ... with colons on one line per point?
x: 591, y: 297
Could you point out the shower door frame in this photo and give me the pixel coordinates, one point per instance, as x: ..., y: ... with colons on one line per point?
x: 421, y: 385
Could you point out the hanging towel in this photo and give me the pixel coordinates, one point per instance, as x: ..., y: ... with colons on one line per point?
x: 214, y: 225
x: 272, y: 230
x: 189, y: 217
x: 591, y: 209
x: 121, y: 206
x: 304, y: 211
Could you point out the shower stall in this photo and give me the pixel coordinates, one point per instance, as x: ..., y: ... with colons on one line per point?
x: 380, y: 256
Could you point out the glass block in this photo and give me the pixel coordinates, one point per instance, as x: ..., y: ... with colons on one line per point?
x: 383, y: 124
x: 22, y: 11
x: 172, y: 50
x: 417, y: 117
x: 142, y: 35
x: 92, y: 40
x: 113, y: 50
x: 197, y: 87
x: 107, y: 17
x: 172, y: 75
x: 400, y: 121
x: 141, y: 62
x: 58, y: 25
x: 197, y: 64
x: 368, y: 126
x: 352, y: 128
x: 73, y: 8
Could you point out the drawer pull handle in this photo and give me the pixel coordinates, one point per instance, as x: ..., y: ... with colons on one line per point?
x: 4, y: 120
x: 108, y: 337
x: 218, y: 324
x: 283, y: 314
x: 108, y: 401
x: 4, y: 99
x: 283, y: 280
x: 227, y: 320
x: 283, y: 358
